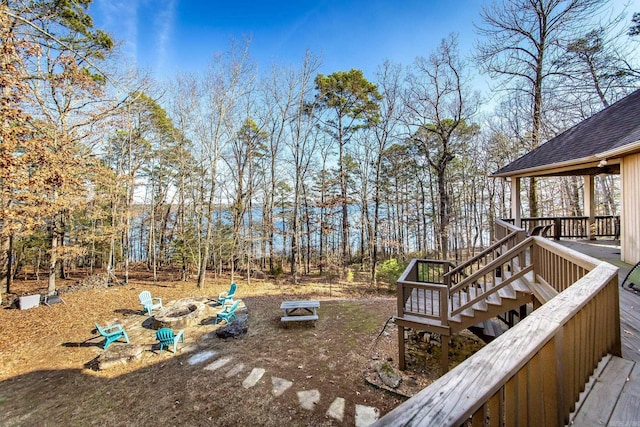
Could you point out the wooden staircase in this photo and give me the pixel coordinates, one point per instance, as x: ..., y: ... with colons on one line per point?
x: 477, y: 307
x: 436, y: 297
x: 506, y: 299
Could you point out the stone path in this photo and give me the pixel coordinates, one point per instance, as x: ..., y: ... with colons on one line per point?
x: 307, y: 399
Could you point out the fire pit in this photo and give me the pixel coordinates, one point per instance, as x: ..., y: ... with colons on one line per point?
x: 181, y: 314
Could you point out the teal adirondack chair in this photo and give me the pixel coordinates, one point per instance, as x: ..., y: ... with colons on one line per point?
x: 223, y: 297
x: 148, y: 302
x: 167, y: 337
x: 228, y: 313
x: 111, y: 333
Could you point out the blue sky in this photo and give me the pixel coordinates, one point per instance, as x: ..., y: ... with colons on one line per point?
x: 173, y: 36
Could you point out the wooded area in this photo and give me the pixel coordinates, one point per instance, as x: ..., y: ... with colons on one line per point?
x: 287, y: 171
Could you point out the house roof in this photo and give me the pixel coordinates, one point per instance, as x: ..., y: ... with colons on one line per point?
x: 608, y: 133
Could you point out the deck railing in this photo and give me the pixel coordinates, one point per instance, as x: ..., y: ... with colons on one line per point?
x: 532, y: 374
x: 509, y: 237
x: 574, y: 227
x: 421, y: 290
x: 429, y: 290
x: 559, y: 266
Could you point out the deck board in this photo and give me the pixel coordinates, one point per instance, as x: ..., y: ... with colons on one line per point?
x: 602, y: 399
x: 627, y: 410
x: 629, y: 324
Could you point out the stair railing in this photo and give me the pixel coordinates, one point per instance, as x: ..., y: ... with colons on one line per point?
x: 469, y: 267
x: 484, y: 280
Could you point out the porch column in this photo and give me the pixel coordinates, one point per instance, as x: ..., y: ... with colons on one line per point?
x: 515, y: 201
x: 589, y: 206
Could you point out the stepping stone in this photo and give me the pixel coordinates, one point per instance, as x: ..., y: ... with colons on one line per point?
x: 280, y: 385
x: 366, y: 415
x: 235, y: 370
x: 253, y: 377
x: 217, y: 364
x: 309, y: 399
x: 201, y: 357
x: 336, y: 410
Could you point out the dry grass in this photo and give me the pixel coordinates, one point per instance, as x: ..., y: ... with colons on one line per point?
x: 46, y: 354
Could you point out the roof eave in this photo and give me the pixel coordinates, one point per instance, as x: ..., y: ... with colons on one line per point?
x: 617, y: 152
x: 547, y: 169
x: 575, y: 163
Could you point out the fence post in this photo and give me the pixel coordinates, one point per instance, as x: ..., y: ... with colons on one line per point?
x: 401, y: 344
x: 557, y: 228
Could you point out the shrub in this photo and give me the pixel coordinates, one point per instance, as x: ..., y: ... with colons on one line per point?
x: 349, y: 275
x: 389, y: 271
x: 276, y: 271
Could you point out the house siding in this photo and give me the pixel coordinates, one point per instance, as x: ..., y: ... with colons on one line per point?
x: 630, y: 215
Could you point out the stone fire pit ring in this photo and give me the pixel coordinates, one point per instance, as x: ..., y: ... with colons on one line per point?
x: 181, y: 314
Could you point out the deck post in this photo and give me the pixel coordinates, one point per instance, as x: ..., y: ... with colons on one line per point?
x: 400, y: 301
x: 589, y: 206
x: 523, y: 312
x: 401, y: 361
x: 515, y: 202
x: 444, y: 353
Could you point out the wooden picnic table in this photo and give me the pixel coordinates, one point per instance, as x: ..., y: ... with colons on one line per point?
x: 299, y: 311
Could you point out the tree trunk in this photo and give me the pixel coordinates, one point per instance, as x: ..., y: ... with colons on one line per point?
x: 5, y: 269
x: 53, y: 260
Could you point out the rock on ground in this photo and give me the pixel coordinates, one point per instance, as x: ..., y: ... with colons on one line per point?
x: 119, y: 355
x: 234, y: 329
x: 388, y: 375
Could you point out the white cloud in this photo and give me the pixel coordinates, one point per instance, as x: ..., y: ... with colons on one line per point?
x: 163, y: 26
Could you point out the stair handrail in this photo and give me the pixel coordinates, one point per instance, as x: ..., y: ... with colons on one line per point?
x: 512, y: 253
x: 518, y: 235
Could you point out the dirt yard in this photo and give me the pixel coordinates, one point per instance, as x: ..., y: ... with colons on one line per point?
x: 48, y: 375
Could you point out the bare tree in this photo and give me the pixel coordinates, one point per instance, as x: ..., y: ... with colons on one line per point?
x: 301, y: 144
x: 386, y: 133
x: 222, y: 88
x: 521, y: 44
x: 439, y: 106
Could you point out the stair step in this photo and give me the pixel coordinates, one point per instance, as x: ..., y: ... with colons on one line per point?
x: 464, y: 299
x: 529, y: 277
x: 468, y: 312
x: 480, y: 305
x: 543, y: 292
x: 507, y: 292
x: 457, y: 318
x: 520, y: 285
x: 492, y: 328
x: 494, y: 299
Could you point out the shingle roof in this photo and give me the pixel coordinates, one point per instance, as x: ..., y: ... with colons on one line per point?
x: 614, y: 127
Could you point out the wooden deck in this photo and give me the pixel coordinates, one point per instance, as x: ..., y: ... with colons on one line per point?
x: 533, y: 374
x: 611, y: 396
x: 609, y: 251
x: 530, y: 394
